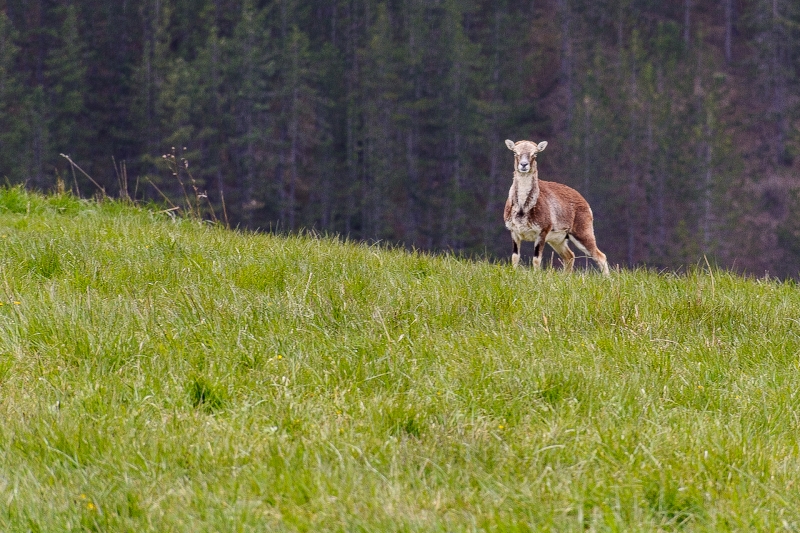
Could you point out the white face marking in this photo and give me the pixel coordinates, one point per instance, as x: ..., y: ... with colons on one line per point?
x: 524, y: 155
x: 524, y: 165
x: 526, y: 158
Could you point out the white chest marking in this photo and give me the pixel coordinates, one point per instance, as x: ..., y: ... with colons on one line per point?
x: 522, y: 227
x: 523, y: 190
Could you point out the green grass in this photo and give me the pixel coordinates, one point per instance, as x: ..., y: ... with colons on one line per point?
x: 162, y: 375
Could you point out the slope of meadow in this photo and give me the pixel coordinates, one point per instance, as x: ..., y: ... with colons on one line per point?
x: 161, y: 375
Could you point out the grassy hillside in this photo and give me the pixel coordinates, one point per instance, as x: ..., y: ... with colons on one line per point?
x: 160, y: 375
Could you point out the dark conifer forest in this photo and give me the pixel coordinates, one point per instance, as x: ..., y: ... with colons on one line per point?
x: 385, y: 120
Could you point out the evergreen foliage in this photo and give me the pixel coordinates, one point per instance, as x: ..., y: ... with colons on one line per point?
x: 13, y: 131
x: 384, y: 120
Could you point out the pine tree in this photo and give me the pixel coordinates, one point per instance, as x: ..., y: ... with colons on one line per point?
x: 383, y: 87
x: 65, y: 77
x: 251, y: 74
x: 13, y: 128
x: 465, y: 128
x: 212, y: 118
x: 771, y: 20
x: 297, y: 122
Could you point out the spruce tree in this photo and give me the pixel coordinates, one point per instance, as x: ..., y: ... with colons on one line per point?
x: 383, y: 180
x: 251, y: 73
x: 65, y: 76
x: 13, y: 128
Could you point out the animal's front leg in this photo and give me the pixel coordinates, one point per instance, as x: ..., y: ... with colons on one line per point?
x: 538, y: 249
x: 517, y: 247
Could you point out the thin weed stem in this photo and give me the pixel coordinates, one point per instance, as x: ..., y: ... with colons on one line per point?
x: 75, y: 165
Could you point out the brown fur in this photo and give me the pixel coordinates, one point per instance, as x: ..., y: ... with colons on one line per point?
x: 547, y: 212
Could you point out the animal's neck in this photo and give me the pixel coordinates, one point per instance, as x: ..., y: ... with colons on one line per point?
x: 527, y: 187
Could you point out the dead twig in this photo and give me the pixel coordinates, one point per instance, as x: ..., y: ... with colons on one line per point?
x: 224, y: 209
x: 75, y: 165
x: 161, y: 193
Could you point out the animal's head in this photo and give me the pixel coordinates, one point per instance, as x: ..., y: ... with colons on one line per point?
x: 525, y: 154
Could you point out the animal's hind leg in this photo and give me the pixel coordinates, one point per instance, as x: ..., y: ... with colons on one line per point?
x: 589, y: 247
x: 585, y: 241
x: 567, y: 256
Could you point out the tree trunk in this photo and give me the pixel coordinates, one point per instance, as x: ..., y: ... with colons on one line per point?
x: 350, y: 120
x: 687, y: 15
x: 728, y: 4
x: 632, y: 222
x: 294, y: 82
x: 293, y: 161
x: 650, y: 165
x: 493, y: 195
x: 566, y: 60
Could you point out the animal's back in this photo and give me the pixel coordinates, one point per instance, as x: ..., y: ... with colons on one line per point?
x: 564, y: 203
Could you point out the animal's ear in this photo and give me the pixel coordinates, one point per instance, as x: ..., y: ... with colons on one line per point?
x: 542, y: 145
x: 510, y: 144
